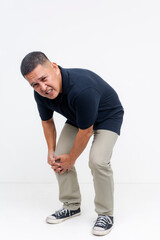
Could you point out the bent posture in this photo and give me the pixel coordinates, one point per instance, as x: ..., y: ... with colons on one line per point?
x: 91, y: 107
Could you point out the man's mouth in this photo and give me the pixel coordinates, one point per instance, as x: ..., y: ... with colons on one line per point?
x: 49, y: 92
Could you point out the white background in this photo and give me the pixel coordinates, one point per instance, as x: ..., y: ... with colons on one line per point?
x: 120, y: 41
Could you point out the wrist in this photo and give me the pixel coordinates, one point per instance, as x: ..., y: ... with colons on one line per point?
x: 50, y: 150
x: 72, y: 159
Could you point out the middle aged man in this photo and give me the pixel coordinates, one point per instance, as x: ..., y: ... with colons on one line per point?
x: 92, y: 107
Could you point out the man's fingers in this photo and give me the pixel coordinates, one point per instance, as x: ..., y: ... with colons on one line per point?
x: 50, y: 162
x: 57, y: 160
x: 57, y: 157
x: 55, y: 164
x: 55, y: 167
x: 59, y: 170
x: 62, y: 171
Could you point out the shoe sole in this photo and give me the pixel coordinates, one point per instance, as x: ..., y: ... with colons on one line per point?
x: 54, y: 221
x: 101, y: 233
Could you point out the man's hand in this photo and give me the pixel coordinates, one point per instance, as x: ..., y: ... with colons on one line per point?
x: 51, y: 161
x: 65, y: 162
x: 51, y: 158
x: 62, y: 163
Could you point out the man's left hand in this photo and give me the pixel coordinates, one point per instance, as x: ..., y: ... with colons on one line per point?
x: 64, y: 164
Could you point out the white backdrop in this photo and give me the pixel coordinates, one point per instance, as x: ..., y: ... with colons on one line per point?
x: 120, y: 41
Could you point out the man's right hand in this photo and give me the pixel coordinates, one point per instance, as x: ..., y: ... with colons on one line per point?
x: 53, y: 163
x: 51, y: 158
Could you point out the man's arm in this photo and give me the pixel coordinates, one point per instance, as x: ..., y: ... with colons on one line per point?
x: 50, y: 136
x: 80, y: 142
x: 67, y: 160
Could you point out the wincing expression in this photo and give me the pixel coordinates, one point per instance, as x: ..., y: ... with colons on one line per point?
x: 46, y: 79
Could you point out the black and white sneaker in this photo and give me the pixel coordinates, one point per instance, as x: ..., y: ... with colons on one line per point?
x: 62, y: 215
x: 103, y: 225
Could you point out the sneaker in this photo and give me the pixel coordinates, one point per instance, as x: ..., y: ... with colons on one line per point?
x: 103, y: 225
x: 62, y: 214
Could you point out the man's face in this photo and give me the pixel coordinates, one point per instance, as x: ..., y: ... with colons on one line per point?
x: 46, y: 80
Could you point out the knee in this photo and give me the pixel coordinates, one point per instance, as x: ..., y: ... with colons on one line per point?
x: 99, y: 162
x: 94, y: 163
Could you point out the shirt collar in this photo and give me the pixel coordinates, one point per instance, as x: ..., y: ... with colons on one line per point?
x: 65, y: 80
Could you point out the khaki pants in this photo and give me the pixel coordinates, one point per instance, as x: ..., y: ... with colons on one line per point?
x: 99, y: 163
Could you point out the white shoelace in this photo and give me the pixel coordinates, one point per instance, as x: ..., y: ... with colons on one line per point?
x: 61, y: 212
x: 102, y: 220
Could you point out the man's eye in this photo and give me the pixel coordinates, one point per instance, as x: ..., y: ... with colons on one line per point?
x: 44, y: 79
x: 35, y: 85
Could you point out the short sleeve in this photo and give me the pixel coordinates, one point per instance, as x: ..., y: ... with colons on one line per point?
x: 44, y: 112
x: 86, y: 104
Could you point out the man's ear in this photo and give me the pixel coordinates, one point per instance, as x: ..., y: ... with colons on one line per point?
x: 56, y: 68
x: 54, y: 65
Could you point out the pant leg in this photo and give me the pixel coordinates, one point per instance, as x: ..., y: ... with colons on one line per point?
x: 99, y: 163
x: 69, y: 192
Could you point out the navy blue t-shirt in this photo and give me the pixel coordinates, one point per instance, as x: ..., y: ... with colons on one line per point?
x: 86, y: 100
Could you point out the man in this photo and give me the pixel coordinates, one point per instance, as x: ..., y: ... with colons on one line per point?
x: 92, y: 107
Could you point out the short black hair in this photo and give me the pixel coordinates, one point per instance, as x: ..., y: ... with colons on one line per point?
x: 31, y: 60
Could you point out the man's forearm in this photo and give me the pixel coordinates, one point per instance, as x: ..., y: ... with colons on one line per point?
x: 67, y: 160
x: 50, y: 134
x: 79, y: 145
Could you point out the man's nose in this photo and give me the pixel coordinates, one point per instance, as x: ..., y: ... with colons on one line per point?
x: 42, y: 86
